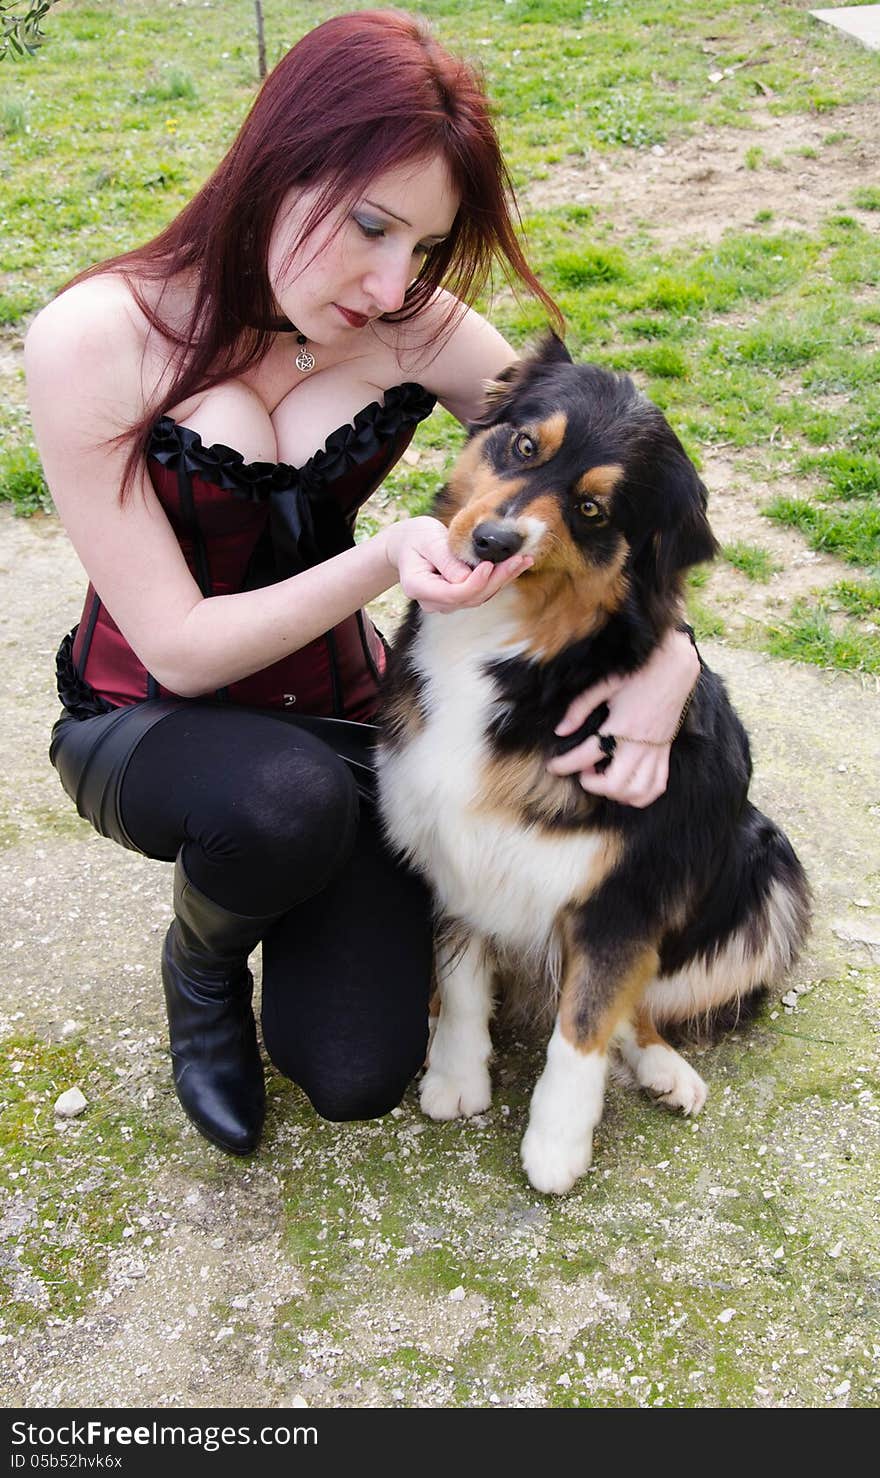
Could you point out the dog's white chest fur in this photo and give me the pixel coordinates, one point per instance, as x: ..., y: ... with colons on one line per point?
x: 504, y: 880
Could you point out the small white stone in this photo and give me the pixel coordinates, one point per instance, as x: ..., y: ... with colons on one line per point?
x: 843, y: 1389
x: 779, y: 1253
x: 564, y: 1380
x: 716, y: 76
x: 790, y: 998
x: 68, y: 1105
x: 836, y: 1250
x: 299, y: 1402
x: 457, y: 1295
x: 726, y: 1315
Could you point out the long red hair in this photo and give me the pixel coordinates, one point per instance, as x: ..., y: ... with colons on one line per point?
x: 355, y: 97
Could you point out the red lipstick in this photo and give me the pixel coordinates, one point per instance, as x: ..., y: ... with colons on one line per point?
x: 356, y: 320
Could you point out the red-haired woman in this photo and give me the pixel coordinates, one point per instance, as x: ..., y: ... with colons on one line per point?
x: 211, y: 411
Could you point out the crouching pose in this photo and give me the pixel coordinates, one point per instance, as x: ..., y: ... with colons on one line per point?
x: 212, y: 410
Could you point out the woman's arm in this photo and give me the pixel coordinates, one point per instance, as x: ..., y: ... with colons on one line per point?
x: 85, y: 361
x: 645, y: 706
x: 471, y: 354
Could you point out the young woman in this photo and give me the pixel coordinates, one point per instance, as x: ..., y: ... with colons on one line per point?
x: 212, y: 410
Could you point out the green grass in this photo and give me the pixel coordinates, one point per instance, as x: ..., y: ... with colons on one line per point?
x: 858, y: 597
x: 764, y: 341
x: 22, y: 483
x: 753, y: 561
x: 809, y: 635
x: 853, y: 534
x: 867, y: 198
x: 78, y: 1185
x: 846, y: 475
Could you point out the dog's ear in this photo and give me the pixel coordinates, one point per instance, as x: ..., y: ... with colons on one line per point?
x: 680, y: 534
x: 499, y: 394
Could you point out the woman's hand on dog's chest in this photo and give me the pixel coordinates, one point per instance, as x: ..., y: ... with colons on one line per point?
x: 428, y: 571
x: 645, y: 706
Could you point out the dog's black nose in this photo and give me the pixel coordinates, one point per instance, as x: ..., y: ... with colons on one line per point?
x: 495, y: 542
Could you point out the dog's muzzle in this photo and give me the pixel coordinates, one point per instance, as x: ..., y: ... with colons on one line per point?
x: 496, y: 541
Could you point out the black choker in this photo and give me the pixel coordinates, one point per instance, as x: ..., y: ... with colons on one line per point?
x: 304, y: 360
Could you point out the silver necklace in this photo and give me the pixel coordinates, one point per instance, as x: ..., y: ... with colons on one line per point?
x: 304, y: 360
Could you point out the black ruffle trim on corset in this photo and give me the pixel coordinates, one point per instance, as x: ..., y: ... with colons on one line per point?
x: 305, y: 527
x: 77, y: 696
x: 349, y: 446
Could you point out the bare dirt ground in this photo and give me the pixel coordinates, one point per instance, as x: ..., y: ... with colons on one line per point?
x: 409, y: 1264
x: 697, y: 188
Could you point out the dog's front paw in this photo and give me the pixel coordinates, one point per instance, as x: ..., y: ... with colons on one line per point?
x: 455, y: 1096
x: 554, y: 1162
x: 671, y: 1080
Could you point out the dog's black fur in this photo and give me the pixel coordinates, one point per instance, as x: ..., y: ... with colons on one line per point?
x: 700, y: 879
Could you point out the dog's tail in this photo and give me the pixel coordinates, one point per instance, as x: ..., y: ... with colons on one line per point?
x: 746, y: 936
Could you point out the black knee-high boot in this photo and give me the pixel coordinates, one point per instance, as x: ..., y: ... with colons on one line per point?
x: 208, y: 988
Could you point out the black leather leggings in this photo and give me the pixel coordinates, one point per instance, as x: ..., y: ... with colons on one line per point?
x: 274, y: 819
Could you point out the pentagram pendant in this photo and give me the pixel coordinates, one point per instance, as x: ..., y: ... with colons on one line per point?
x: 304, y: 360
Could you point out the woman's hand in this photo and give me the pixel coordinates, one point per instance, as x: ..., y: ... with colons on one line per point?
x: 645, y: 705
x: 428, y: 571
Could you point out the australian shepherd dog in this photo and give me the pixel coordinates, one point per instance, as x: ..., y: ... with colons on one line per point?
x: 620, y: 920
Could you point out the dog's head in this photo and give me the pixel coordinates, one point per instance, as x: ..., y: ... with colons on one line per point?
x: 571, y: 464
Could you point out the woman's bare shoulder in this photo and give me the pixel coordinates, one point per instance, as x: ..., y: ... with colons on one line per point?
x: 89, y: 342
x: 452, y: 350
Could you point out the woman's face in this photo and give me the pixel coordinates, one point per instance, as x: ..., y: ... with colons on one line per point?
x: 359, y: 262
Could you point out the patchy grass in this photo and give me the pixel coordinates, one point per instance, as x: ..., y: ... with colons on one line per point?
x: 22, y: 482
x: 65, y: 1192
x: 858, y: 597
x: 809, y: 635
x: 867, y: 198
x: 851, y: 533
x: 751, y: 560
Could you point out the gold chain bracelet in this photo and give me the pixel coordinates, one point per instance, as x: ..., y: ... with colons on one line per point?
x: 654, y: 743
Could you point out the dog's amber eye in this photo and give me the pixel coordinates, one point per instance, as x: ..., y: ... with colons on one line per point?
x: 524, y: 446
x: 590, y: 509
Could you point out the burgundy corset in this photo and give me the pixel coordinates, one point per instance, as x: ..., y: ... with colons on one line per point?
x: 244, y: 525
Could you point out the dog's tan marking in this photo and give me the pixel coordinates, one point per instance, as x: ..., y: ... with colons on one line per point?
x: 549, y: 435
x: 477, y: 492
x: 560, y: 603
x: 520, y: 787
x: 646, y: 1033
x: 402, y: 718
x: 469, y: 468
x: 626, y: 997
x: 599, y: 482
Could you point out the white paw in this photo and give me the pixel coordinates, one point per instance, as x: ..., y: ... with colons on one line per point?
x: 554, y: 1162
x: 455, y: 1095
x: 670, y: 1079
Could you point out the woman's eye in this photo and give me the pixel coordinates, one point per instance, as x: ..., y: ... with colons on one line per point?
x: 370, y: 230
x: 589, y: 509
x: 524, y: 446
